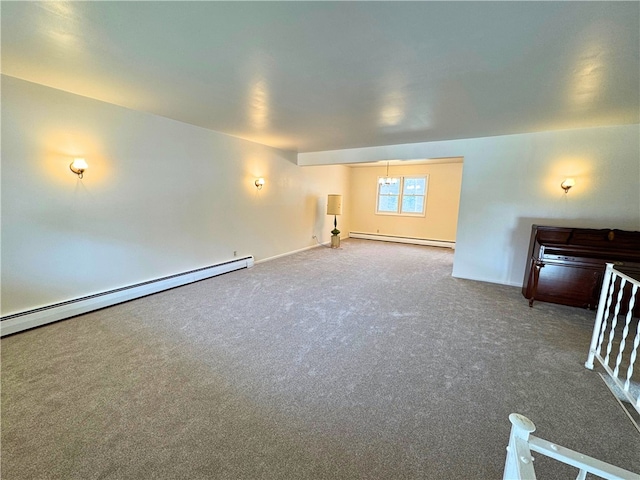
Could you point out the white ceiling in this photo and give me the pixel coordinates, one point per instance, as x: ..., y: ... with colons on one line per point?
x: 309, y: 76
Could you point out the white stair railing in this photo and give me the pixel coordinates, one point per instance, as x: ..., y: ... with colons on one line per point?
x: 611, y: 332
x: 519, y: 462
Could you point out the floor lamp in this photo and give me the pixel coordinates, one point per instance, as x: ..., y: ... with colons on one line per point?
x: 334, y: 207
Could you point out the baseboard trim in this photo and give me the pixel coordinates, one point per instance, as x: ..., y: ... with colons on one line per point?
x: 36, y: 317
x: 398, y: 239
x: 292, y: 252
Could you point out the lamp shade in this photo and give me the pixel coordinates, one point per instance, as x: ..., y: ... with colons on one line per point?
x: 334, y: 205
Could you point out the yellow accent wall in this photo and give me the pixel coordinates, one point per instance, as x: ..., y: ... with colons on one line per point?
x: 443, y: 200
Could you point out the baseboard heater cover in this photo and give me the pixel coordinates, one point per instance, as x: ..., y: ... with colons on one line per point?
x: 18, y: 322
x: 398, y: 239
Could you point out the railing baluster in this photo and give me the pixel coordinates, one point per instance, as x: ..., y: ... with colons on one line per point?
x: 625, y: 331
x: 606, y: 281
x: 605, y: 319
x: 632, y: 360
x: 614, y: 320
x: 636, y: 342
x: 600, y: 330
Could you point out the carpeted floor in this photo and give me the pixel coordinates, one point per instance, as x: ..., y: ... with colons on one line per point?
x: 367, y: 362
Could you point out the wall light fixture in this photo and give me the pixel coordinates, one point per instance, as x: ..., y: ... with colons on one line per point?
x: 259, y: 183
x: 78, y: 166
x: 567, y: 183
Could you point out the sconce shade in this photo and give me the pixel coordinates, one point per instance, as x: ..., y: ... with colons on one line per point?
x: 334, y: 205
x: 567, y: 184
x: 78, y: 166
x: 259, y: 183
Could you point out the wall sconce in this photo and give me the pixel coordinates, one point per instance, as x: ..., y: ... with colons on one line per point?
x: 78, y: 166
x: 567, y: 184
x: 259, y: 183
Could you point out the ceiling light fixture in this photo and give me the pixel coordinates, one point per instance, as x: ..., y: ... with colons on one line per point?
x: 387, y: 180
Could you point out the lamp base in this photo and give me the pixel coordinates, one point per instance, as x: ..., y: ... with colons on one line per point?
x: 335, y: 241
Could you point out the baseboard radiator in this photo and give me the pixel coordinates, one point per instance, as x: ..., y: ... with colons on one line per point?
x: 18, y: 322
x: 399, y: 239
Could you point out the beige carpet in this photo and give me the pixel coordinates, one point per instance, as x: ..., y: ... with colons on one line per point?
x: 368, y: 362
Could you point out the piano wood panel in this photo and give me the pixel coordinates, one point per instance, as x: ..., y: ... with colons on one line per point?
x: 566, y: 265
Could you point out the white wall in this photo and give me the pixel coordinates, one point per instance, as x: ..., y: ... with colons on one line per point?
x: 160, y: 197
x: 511, y: 182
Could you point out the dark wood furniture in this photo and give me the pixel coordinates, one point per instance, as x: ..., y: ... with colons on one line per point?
x: 566, y: 265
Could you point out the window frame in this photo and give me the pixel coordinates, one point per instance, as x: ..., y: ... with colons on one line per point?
x: 401, y: 195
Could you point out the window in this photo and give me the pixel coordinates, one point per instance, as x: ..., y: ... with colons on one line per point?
x: 402, y: 195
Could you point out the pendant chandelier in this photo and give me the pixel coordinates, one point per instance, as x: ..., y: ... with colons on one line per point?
x: 387, y: 180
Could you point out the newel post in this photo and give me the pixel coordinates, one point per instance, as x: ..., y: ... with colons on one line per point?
x: 519, y: 463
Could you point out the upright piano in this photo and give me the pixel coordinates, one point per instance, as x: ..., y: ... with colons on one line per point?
x: 566, y: 265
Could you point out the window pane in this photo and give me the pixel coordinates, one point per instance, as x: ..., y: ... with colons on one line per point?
x: 391, y: 189
x: 406, y: 196
x: 412, y: 203
x: 388, y: 203
x: 414, y: 186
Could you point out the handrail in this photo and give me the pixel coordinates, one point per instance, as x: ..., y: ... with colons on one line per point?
x: 519, y: 462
